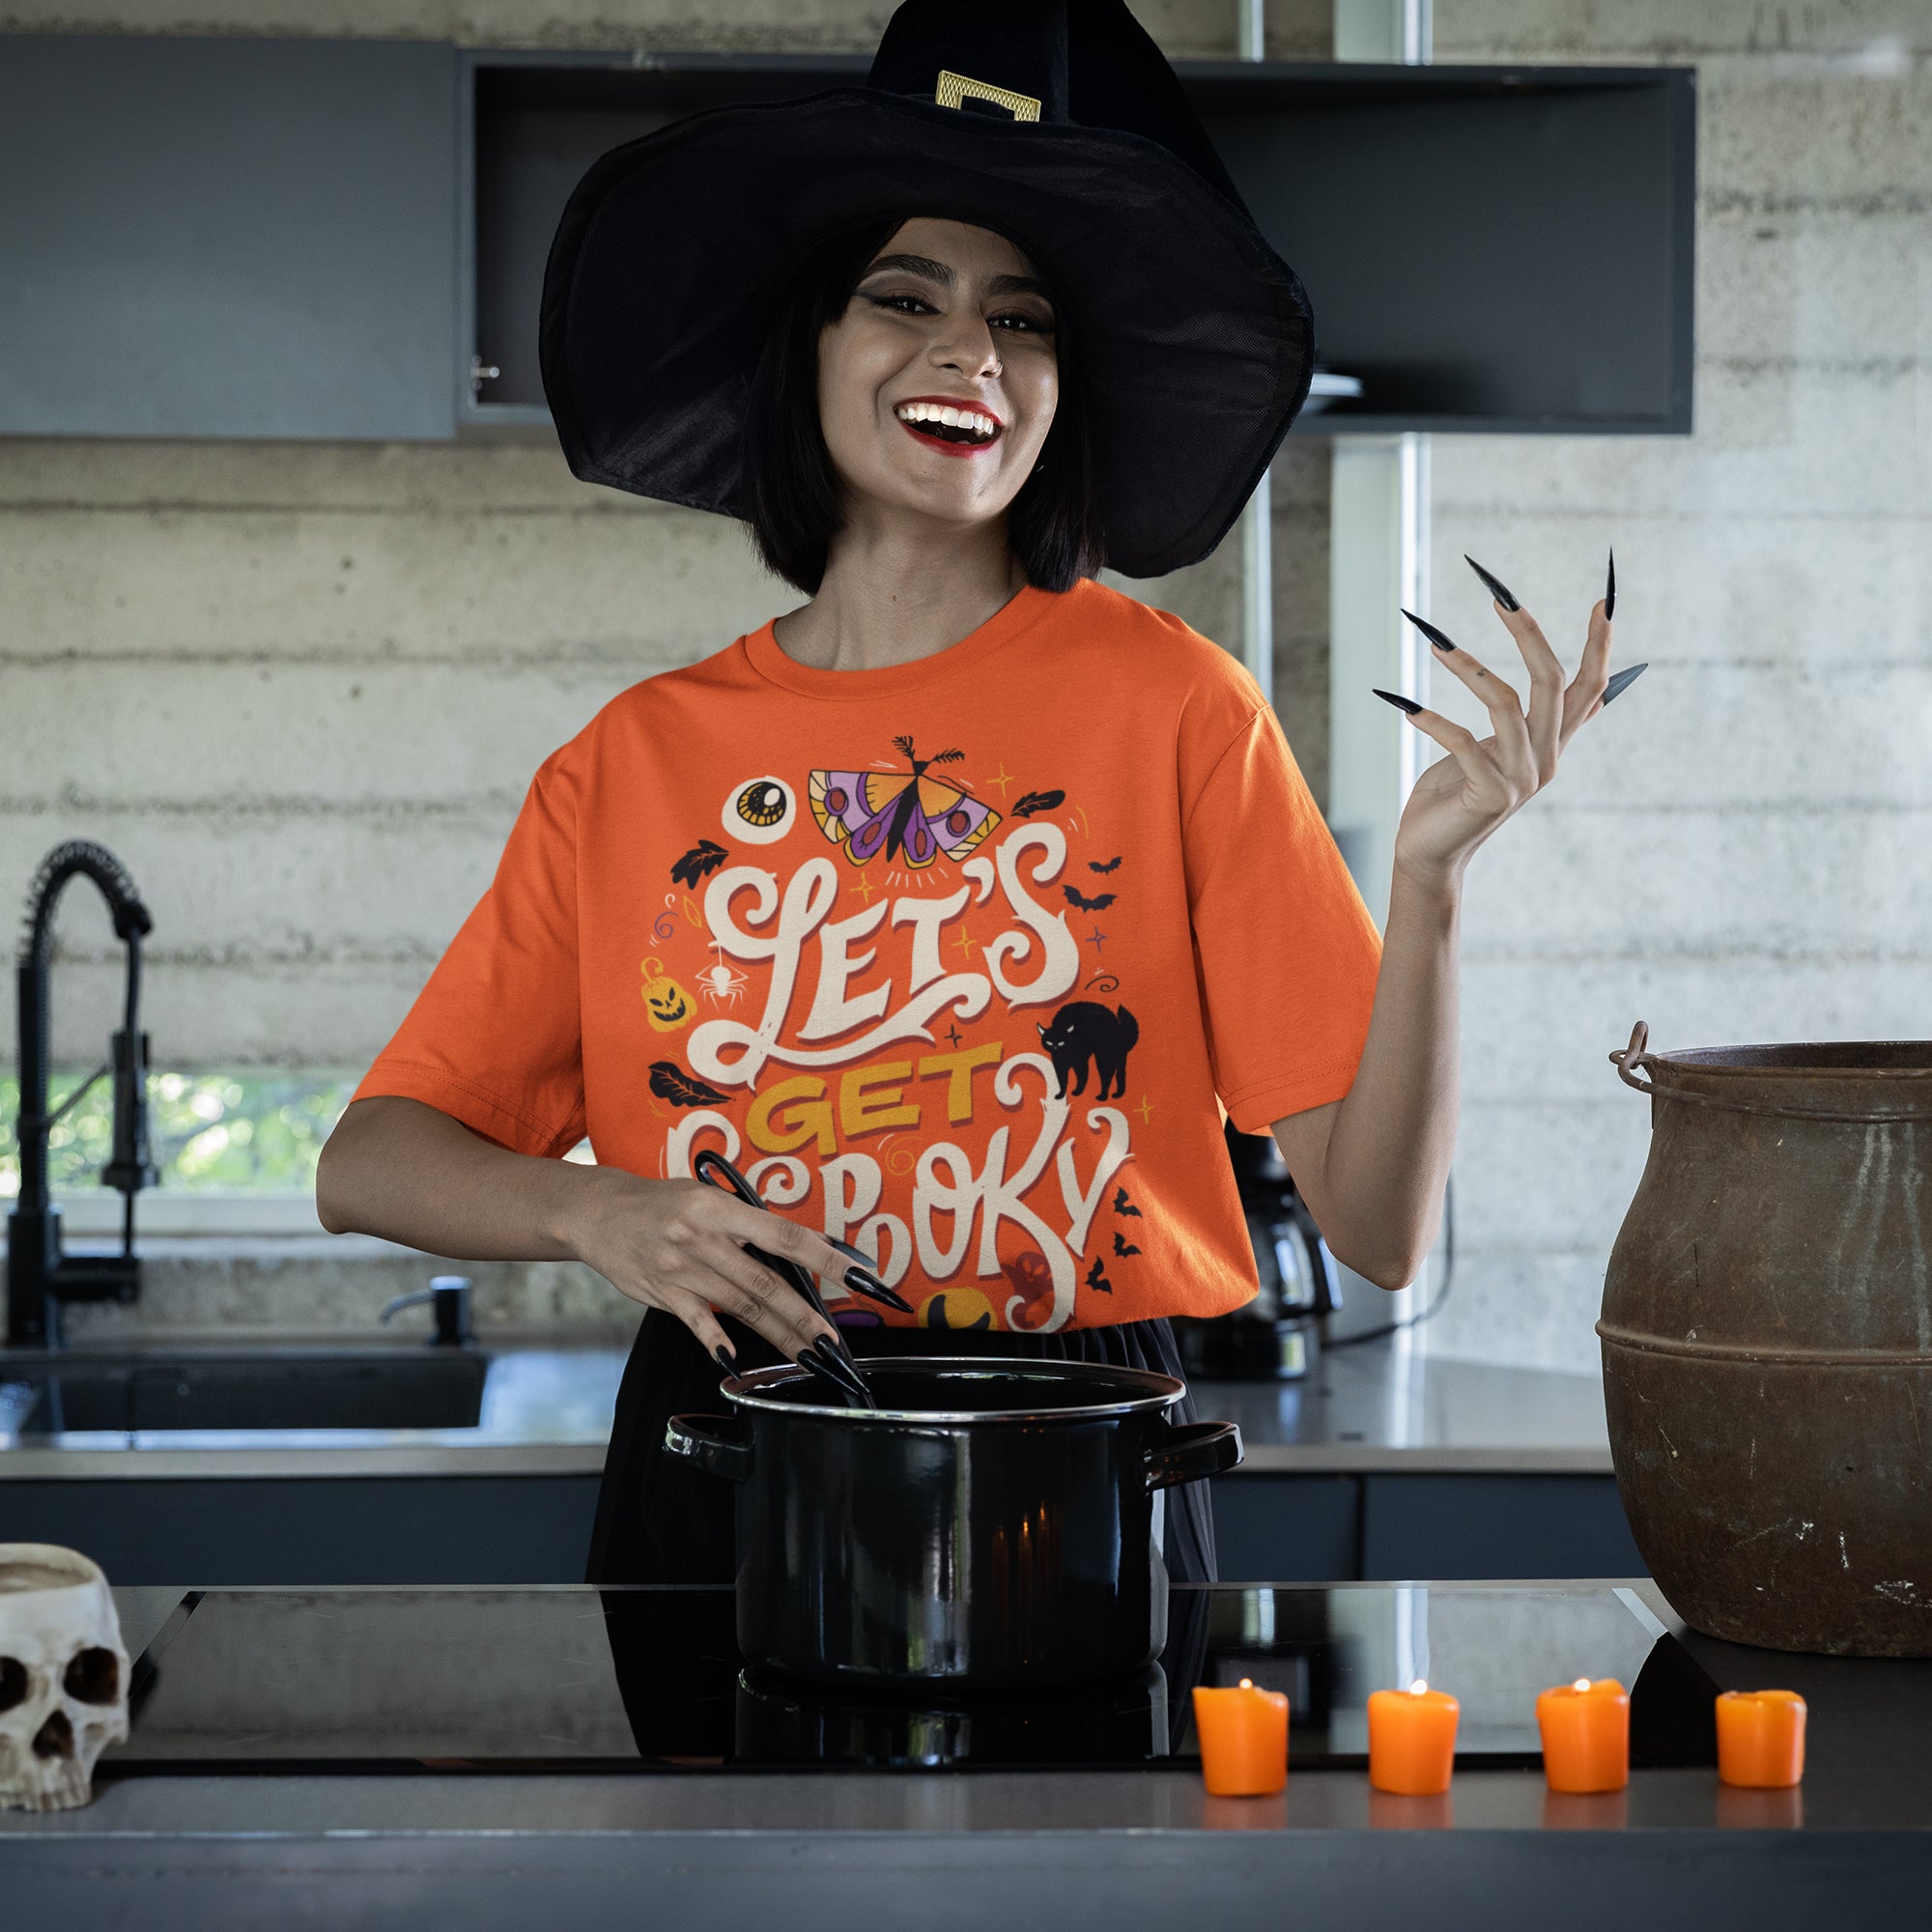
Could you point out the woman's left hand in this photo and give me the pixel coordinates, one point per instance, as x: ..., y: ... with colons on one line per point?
x: 1460, y: 800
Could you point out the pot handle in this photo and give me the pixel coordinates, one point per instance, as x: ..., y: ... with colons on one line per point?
x: 719, y: 1444
x: 1191, y: 1452
x: 1633, y: 1057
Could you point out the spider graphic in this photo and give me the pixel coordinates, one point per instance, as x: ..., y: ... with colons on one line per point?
x: 721, y: 987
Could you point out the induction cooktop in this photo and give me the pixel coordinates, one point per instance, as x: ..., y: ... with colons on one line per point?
x: 620, y: 1680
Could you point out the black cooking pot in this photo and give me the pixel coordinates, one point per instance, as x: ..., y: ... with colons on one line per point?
x: 993, y: 1522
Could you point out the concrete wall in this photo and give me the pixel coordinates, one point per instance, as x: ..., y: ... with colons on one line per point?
x: 1737, y: 850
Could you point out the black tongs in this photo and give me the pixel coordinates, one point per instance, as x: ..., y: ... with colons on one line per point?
x: 828, y: 1357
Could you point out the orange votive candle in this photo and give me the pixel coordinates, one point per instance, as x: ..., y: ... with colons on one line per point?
x: 1411, y: 1740
x: 1244, y: 1734
x: 1760, y: 1738
x: 1586, y: 1729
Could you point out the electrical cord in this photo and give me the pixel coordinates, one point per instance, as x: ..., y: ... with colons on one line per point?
x: 1441, y: 1294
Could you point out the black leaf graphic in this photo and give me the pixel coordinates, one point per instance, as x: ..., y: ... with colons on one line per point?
x: 1099, y: 902
x: 1123, y: 1206
x: 670, y: 1082
x: 1111, y: 865
x: 1121, y: 1245
x: 1040, y: 800
x: 706, y: 856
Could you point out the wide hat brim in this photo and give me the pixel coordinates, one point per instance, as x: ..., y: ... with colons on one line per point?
x: 1194, y: 339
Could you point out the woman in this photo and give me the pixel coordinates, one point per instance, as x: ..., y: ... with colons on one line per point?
x: 969, y: 893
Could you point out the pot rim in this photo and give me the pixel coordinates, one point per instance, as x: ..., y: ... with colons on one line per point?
x: 1713, y: 1062
x: 1163, y: 1391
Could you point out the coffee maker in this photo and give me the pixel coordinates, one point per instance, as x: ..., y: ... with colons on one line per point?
x: 1275, y: 1337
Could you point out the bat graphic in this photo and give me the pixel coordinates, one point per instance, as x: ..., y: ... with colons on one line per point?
x: 1099, y: 902
x: 1040, y: 800
x: 1096, y: 1278
x: 706, y: 856
x: 1123, y: 1206
x: 1111, y: 865
x: 1122, y: 1247
x: 670, y: 1082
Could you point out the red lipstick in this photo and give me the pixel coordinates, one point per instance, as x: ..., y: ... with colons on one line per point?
x: 920, y: 434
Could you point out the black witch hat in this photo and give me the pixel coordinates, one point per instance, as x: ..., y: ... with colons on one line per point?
x: 1057, y: 122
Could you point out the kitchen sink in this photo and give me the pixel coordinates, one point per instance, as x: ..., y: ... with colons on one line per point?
x: 217, y: 1389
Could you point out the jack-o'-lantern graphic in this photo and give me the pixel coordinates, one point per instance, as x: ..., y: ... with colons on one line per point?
x: 667, y: 1005
x: 1032, y: 1304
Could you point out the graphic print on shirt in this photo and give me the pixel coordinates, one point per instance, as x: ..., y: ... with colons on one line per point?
x: 1086, y: 1034
x: 667, y: 1005
x: 876, y: 814
x: 948, y: 1108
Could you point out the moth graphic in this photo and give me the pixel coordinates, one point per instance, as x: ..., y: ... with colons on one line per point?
x: 1040, y: 800
x: 892, y: 813
x: 670, y: 1082
x: 1113, y: 864
x: 1096, y: 1278
x: 1123, y: 1206
x: 1099, y: 902
x: 1121, y: 1245
x: 706, y: 856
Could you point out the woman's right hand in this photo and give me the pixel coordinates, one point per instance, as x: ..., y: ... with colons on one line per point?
x: 679, y: 1245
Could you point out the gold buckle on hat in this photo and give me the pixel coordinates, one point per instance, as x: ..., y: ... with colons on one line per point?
x: 953, y: 89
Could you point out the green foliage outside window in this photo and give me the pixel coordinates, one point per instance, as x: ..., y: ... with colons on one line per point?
x: 244, y: 1130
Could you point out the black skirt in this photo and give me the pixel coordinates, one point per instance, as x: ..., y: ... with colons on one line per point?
x: 661, y: 1520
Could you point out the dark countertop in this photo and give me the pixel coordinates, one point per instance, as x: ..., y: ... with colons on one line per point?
x: 547, y: 1410
x: 366, y: 1843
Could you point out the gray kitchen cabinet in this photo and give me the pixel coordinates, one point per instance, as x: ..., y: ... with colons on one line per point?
x: 227, y: 237
x: 536, y: 1529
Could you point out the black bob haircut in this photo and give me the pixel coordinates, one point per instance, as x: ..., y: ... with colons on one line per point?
x: 793, y: 497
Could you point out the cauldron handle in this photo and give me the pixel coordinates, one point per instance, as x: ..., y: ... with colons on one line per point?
x: 1633, y: 1056
x: 711, y: 1441
x: 1189, y: 1453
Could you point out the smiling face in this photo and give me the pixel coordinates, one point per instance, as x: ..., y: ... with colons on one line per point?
x: 938, y: 384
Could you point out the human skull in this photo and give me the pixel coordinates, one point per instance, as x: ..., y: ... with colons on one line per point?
x: 62, y: 1676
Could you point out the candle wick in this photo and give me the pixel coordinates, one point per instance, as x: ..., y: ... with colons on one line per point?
x: 1420, y: 1684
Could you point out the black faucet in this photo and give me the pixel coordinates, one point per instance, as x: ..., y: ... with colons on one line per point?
x: 38, y: 1276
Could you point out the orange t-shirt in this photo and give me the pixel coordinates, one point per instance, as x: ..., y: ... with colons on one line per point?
x: 953, y: 959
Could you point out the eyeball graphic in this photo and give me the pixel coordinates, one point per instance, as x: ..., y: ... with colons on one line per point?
x: 761, y: 810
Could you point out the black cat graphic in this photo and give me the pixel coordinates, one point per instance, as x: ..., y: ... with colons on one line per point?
x: 1086, y: 1032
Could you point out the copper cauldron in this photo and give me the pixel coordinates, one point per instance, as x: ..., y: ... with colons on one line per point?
x: 1767, y: 1336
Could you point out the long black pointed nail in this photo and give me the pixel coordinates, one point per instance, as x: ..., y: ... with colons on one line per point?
x: 830, y: 1352
x: 722, y: 1355
x: 1408, y: 704
x: 1496, y: 587
x: 1623, y: 681
x: 862, y: 1281
x: 814, y: 1364
x: 1442, y: 640
x: 1610, y: 590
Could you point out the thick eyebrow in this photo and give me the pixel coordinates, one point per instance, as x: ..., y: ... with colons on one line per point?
x: 948, y: 277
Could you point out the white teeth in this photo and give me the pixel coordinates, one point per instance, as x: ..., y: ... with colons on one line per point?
x: 949, y: 416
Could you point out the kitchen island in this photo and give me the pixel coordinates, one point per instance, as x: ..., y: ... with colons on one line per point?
x: 566, y: 1756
